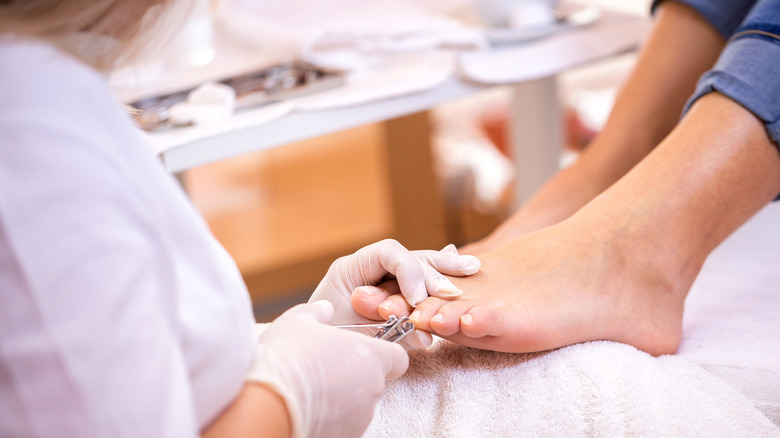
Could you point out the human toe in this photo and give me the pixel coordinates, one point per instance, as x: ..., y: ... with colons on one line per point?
x: 367, y: 299
x: 481, y: 321
x: 394, y: 305
x: 446, y: 322
x: 422, y: 314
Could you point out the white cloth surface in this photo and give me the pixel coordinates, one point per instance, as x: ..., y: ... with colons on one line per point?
x: 731, y: 325
x: 611, y: 34
x: 600, y: 389
x: 171, y: 138
x: 121, y: 315
x: 724, y: 380
x: 385, y: 78
x: 355, y: 46
x: 345, y: 32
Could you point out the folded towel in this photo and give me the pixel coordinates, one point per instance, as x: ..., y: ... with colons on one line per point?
x: 353, y: 47
x: 613, y: 33
x: 593, y: 389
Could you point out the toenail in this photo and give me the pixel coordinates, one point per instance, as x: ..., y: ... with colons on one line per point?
x: 415, y: 316
x: 438, y: 318
x: 386, y: 305
x: 467, y: 319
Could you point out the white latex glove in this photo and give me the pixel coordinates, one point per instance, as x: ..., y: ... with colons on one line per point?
x: 330, y: 378
x: 418, y: 274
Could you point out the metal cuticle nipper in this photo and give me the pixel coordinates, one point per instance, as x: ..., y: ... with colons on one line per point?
x: 392, y: 330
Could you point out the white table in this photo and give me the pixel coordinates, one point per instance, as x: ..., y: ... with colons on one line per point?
x: 536, y: 117
x: 419, y: 212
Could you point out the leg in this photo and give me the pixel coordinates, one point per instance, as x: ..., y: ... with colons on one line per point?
x: 646, y: 110
x: 620, y: 268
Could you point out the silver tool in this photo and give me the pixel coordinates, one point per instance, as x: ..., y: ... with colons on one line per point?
x: 392, y: 330
x: 282, y: 81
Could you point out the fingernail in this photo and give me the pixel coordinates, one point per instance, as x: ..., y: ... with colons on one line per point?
x: 466, y: 319
x: 445, y: 288
x: 438, y: 318
x: 470, y: 264
x: 367, y: 291
x: 386, y: 305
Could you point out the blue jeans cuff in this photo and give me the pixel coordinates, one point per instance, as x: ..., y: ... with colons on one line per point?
x: 748, y: 72
x: 724, y: 16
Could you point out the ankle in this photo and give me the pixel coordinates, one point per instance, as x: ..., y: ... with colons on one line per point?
x: 647, y: 276
x: 640, y: 246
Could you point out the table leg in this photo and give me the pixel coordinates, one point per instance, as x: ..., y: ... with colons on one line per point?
x: 415, y: 190
x: 536, y: 135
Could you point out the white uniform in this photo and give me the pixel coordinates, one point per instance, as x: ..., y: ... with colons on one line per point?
x: 120, y: 315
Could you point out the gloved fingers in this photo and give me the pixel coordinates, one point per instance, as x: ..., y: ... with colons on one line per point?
x: 393, y: 357
x: 318, y: 311
x: 448, y: 261
x: 330, y: 378
x: 394, y: 259
x: 439, y: 285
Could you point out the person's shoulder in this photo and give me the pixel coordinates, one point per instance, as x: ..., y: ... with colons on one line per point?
x: 41, y: 62
x: 37, y: 75
x: 59, y: 118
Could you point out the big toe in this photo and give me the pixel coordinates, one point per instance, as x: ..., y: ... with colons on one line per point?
x: 367, y: 299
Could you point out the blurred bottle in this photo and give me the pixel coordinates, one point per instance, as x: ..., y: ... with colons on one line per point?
x: 516, y: 13
x: 194, y: 44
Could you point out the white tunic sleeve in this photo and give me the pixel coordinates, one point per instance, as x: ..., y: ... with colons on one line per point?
x: 107, y: 278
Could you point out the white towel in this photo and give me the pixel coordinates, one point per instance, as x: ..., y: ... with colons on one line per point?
x: 611, y: 34
x: 600, y: 389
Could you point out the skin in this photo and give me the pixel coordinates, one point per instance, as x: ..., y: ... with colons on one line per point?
x: 645, y: 112
x: 618, y: 268
x: 257, y: 411
x: 599, y: 252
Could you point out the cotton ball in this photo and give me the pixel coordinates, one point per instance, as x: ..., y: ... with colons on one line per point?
x: 211, y: 102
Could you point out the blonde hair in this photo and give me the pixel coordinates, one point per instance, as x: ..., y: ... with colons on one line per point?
x: 104, y: 33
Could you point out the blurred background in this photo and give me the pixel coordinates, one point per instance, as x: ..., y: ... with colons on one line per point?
x: 286, y: 213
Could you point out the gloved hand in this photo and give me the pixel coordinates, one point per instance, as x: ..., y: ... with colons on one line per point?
x: 330, y: 378
x: 418, y: 274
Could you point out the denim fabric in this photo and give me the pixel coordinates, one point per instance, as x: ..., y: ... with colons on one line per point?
x: 762, y: 21
x: 748, y: 70
x: 724, y: 15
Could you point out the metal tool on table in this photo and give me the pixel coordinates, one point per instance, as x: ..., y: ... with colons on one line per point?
x: 393, y: 330
x: 270, y: 84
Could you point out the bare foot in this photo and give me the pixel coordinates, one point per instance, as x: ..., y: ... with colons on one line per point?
x: 558, y: 286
